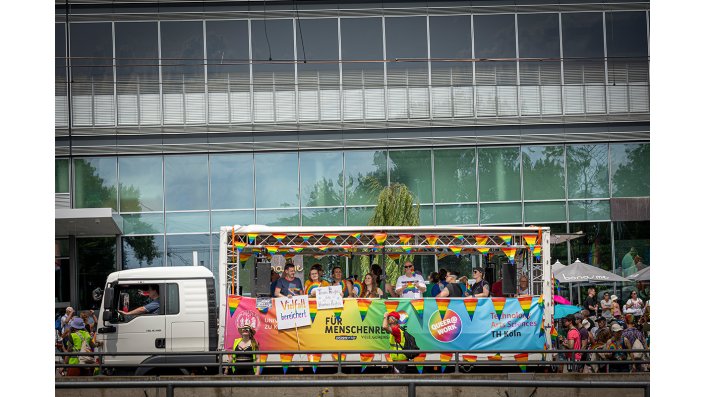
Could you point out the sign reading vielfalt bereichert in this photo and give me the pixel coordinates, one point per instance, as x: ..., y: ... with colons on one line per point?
x: 292, y: 312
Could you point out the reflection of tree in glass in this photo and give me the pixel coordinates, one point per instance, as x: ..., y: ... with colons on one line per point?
x: 365, y: 187
x: 324, y: 192
x: 588, y: 171
x: 631, y: 177
x: 543, y: 173
x: 595, y: 247
x: 501, y: 165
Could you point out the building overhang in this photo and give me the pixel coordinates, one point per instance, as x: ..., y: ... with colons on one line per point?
x: 87, y: 222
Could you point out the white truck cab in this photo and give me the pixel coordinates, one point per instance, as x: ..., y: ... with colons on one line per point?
x: 185, y: 320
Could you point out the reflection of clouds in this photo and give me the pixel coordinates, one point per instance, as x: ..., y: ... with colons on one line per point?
x: 494, y: 36
x: 145, y: 175
x: 277, y: 180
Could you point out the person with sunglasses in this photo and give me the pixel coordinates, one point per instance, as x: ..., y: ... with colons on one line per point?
x: 410, y: 284
x: 481, y: 288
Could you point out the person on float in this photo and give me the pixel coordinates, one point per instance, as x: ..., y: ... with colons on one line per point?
x: 370, y: 288
x: 245, y: 343
x: 314, y: 281
x: 410, y: 285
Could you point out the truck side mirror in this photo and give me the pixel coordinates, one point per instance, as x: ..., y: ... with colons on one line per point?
x: 107, y: 316
x: 108, y: 296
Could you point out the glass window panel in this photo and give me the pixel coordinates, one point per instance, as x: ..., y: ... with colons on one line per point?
x: 232, y: 184
x: 366, y: 173
x: 544, y: 212
x: 538, y: 36
x: 276, y: 43
x: 322, y: 217
x: 589, y: 210
x: 179, y: 250
x: 451, y: 38
x: 245, y: 269
x: 544, y: 172
x: 141, y: 184
x: 187, y: 222
x: 186, y: 182
x: 360, y: 216
x: 60, y: 52
x: 413, y: 169
x: 61, y: 176
x: 96, y: 259
x: 426, y: 215
x: 361, y: 38
x: 559, y: 251
x: 61, y: 248
x: 465, y: 214
x: 454, y: 171
x: 278, y: 217
x: 317, y: 40
x: 277, y: 179
x: 582, y: 35
x: 626, y: 34
x: 95, y: 182
x: 595, y: 248
x: 228, y: 48
x: 321, y: 179
x: 92, y: 53
x: 630, y: 169
x: 499, y: 174
x: 494, y: 36
x: 231, y: 218
x: 632, y: 246
x: 500, y: 213
x: 142, y: 251
x: 406, y: 39
x: 137, y: 51
x: 62, y: 279
x: 587, y: 171
x: 182, y: 50
x: 143, y: 223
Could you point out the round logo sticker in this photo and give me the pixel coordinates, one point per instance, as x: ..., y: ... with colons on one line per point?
x: 403, y: 317
x: 445, y: 329
x: 246, y: 317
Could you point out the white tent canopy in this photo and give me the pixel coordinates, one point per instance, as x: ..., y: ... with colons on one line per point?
x: 642, y: 275
x: 556, y: 267
x: 579, y: 272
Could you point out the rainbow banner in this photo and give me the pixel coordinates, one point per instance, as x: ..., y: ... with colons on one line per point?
x: 279, y: 237
x: 262, y: 359
x: 495, y: 357
x: 530, y: 240
x: 240, y: 245
x: 498, y: 304
x: 356, y: 235
x: 469, y: 358
x: 286, y: 358
x: 445, y: 357
x: 314, y: 358
x: 481, y: 240
x: 417, y: 304
x: 272, y: 249
x: 431, y: 239
x: 380, y: 238
x: 507, y: 238
x: 419, y: 359
x: 359, y: 325
x: 251, y: 237
x: 510, y: 252
x: 405, y: 238
x: 522, y: 357
x: 442, y: 304
x: 312, y: 308
x: 233, y: 302
x: 525, y: 302
x: 305, y: 237
x: 470, y: 306
x: 456, y: 249
x: 366, y: 357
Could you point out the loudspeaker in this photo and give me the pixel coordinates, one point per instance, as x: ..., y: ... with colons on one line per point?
x: 261, y: 277
x: 509, y: 279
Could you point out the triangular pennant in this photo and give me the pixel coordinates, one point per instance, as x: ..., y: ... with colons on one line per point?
x: 271, y: 249
x: 362, y: 306
x: 262, y: 359
x: 391, y: 306
x: 441, y: 256
x: 495, y: 357
x: 331, y: 237
x: 338, y: 312
x: 481, y: 239
x: 312, y: 308
x: 470, y: 306
x: 510, y: 252
x: 542, y: 330
x: 342, y: 356
x: 366, y: 357
x: 530, y: 240
x: 445, y: 357
x: 498, y: 304
x: 323, y: 248
x: 244, y: 258
x: 286, y: 358
x: 233, y: 303
x: 394, y: 256
x: 289, y: 256
x: 537, y: 252
x: 418, y: 305
x: 356, y: 235
x: 442, y: 306
x: 297, y: 248
x: 456, y: 249
x: 469, y: 358
x: 406, y: 248
x: 507, y: 238
x: 431, y: 239
x: 240, y: 245
x: 483, y: 251
x: 458, y: 236
x: 279, y: 237
x: 404, y: 238
x: 314, y: 358
x: 525, y: 303
x: 305, y: 237
x: 380, y: 238
x: 554, y: 335
x: 251, y: 237
x: 419, y: 359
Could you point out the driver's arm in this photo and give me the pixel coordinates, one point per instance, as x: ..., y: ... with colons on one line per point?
x: 135, y: 312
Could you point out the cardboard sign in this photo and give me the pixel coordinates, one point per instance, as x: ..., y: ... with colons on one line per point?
x: 292, y: 312
x: 329, y: 297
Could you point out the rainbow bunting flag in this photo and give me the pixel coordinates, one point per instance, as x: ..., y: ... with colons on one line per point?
x: 279, y: 237
x: 458, y: 236
x: 338, y: 312
x: 244, y: 258
x: 262, y: 359
x: 431, y: 239
x: 362, y: 306
x: 522, y: 357
x: 405, y: 238
x: 240, y: 245
x: 540, y: 301
x: 406, y: 248
x: 483, y: 251
x: 419, y: 359
x: 507, y: 238
x: 442, y: 306
x: 456, y: 249
x: 251, y: 237
x: 331, y: 237
x: 388, y: 357
x: 542, y: 330
x: 556, y: 284
x: 470, y: 306
x: 380, y: 238
x: 498, y: 304
x: 286, y: 358
x: 305, y: 237
x: 357, y: 287
x: 391, y: 306
x: 356, y: 235
x: 256, y: 249
x: 530, y: 240
x: 525, y: 303
x: 441, y: 256
x: 289, y: 256
x: 394, y: 256
x: 319, y: 256
x: 469, y: 358
x: 418, y: 304
x: 481, y: 240
x: 311, y: 288
x: 342, y: 356
x: 554, y: 335
x: 537, y: 252
x: 271, y: 249
x: 510, y: 252
x: 323, y: 248
x: 366, y: 357
x: 233, y: 303
x: 314, y: 358
x: 312, y: 308
x: 445, y: 357
x: 495, y: 357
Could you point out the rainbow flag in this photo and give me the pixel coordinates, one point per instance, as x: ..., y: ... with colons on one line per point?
x: 311, y: 288
x: 394, y: 256
x: 510, y: 252
x: 481, y: 240
x: 356, y: 235
x: 338, y: 311
x: 405, y: 238
x: 357, y: 287
x: 483, y: 251
x: 409, y: 287
x: 312, y: 308
x: 458, y: 236
x: 380, y: 238
x: 419, y: 359
x: 314, y: 358
x: 251, y: 237
x: 286, y: 358
x: 525, y: 302
x: 542, y: 330
x: 470, y: 306
x: 289, y: 256
x: 240, y: 245
x: 342, y: 356
x: 271, y: 249
x: 442, y: 306
x: 522, y: 357
x: 469, y: 358
x: 456, y: 249
x: 530, y: 240
x: 279, y: 237
x: 233, y: 303
x: 498, y: 304
x: 366, y: 357
x: 495, y: 357
x: 445, y: 357
x: 418, y: 304
x: 262, y: 359
x: 244, y: 258
x: 537, y: 252
x: 391, y: 306
x: 331, y: 237
x: 406, y: 248
x: 323, y: 248
x: 362, y: 306
x: 507, y: 238
x: 540, y: 301
x: 431, y: 239
x: 554, y: 334
x: 305, y: 237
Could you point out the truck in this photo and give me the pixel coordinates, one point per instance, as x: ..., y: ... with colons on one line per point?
x: 199, y: 313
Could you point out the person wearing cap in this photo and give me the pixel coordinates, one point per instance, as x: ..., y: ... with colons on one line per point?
x: 601, y: 327
x: 615, y: 343
x: 633, y: 339
x: 452, y: 289
x: 246, y: 342
x: 481, y: 288
x: 390, y: 323
x: 152, y: 307
x: 78, y: 337
x: 616, y: 309
x: 410, y: 284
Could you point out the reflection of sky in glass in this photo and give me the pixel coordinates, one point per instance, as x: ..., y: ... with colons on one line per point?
x: 455, y: 175
x: 500, y: 213
x: 499, y: 174
x: 231, y: 218
x: 227, y: 41
x: 494, y: 36
x: 320, y: 42
x: 366, y: 174
x: 276, y: 175
x: 582, y: 35
x: 361, y: 38
x: 278, y: 217
x: 321, y: 179
x: 589, y: 210
x: 413, y: 169
x: 450, y: 37
x: 180, y: 249
x: 359, y: 216
x: 538, y: 36
x: 183, y: 42
x: 232, y: 181
x: 544, y: 174
x: 187, y: 222
x: 95, y: 182
x: 140, y: 184
x: 544, y: 212
x: 456, y: 214
x: 186, y: 182
x: 129, y: 257
x: 322, y: 217
x: 143, y: 223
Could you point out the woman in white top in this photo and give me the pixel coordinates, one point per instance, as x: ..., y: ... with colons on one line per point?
x: 523, y: 288
x: 634, y: 305
x: 606, y: 305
